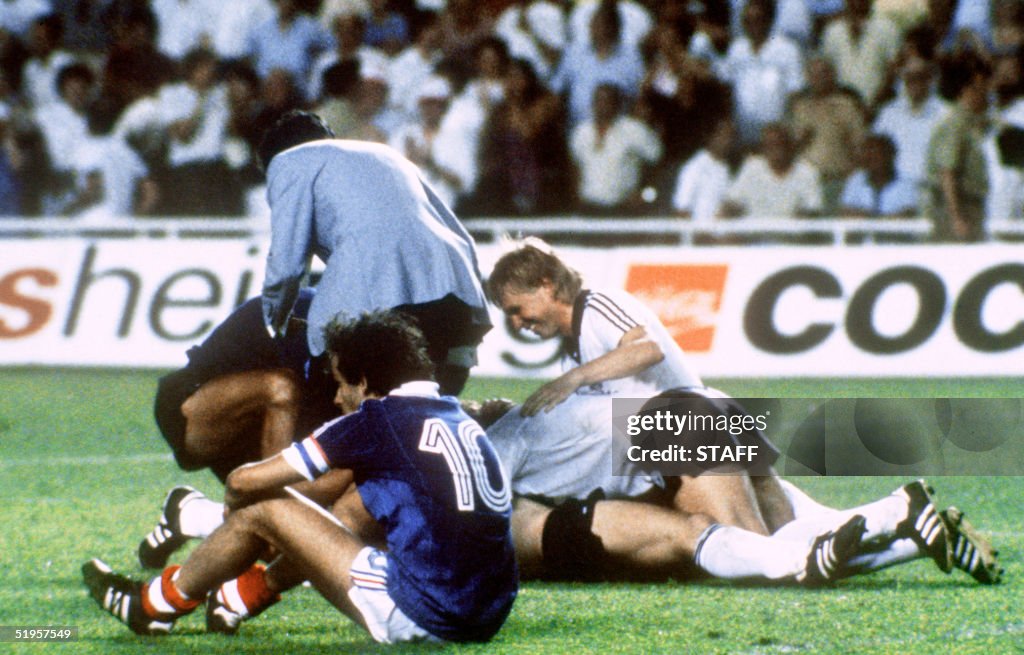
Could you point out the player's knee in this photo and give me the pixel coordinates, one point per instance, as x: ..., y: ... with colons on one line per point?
x: 249, y: 517
x: 262, y: 517
x: 571, y: 551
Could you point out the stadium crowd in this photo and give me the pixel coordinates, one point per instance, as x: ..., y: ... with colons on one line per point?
x: 708, y: 109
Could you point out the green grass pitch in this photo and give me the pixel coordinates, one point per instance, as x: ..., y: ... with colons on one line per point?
x: 83, y: 472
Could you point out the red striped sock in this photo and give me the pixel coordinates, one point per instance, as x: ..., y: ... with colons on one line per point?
x: 161, y: 598
x: 248, y: 594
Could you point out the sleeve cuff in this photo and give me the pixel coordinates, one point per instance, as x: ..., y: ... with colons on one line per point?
x: 307, y: 458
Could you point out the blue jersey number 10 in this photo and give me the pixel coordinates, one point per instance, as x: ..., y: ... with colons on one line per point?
x: 466, y: 462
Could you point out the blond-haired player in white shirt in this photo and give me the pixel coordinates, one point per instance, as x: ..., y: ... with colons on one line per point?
x: 558, y: 449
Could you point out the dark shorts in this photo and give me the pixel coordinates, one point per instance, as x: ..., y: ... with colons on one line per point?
x: 453, y: 333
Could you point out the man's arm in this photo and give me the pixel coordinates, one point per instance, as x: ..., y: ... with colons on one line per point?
x: 290, y: 192
x: 251, y: 482
x: 635, y: 353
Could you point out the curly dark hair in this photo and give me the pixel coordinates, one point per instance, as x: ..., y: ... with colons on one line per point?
x: 384, y: 348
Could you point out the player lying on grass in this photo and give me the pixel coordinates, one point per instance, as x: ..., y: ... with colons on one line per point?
x: 558, y: 445
x: 426, y: 473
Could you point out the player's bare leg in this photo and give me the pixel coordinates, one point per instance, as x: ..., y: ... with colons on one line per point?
x: 222, y: 414
x: 225, y: 615
x: 648, y: 539
x: 775, y: 506
x: 657, y: 541
x: 729, y: 499
x: 628, y: 539
x: 528, y: 518
x: 317, y: 546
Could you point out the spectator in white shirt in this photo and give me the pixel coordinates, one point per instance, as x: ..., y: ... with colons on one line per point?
x: 877, y: 190
x: 862, y: 47
x: 65, y: 130
x: 461, y: 129
x: 198, y: 180
x: 764, y: 69
x: 774, y: 183
x: 636, y: 20
x: 418, y: 140
x: 290, y: 41
x: 348, y: 30
x: 910, y: 119
x: 196, y: 111
x: 413, y: 66
x: 186, y: 24
x: 607, y: 58
x: 704, y: 179
x: 610, y: 152
x: 237, y: 21
x: 64, y: 123
x: 533, y: 30
x: 40, y: 71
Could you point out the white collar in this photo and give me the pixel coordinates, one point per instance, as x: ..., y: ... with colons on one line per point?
x: 423, y: 388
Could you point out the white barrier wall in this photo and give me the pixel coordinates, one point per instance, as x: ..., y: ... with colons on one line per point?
x: 779, y: 311
x: 132, y: 302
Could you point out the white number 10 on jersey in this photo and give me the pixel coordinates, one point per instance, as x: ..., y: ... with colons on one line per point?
x: 466, y: 463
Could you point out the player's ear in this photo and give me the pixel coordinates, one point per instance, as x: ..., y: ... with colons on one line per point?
x: 549, y: 287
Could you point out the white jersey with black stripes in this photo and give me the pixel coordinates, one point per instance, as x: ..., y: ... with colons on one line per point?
x: 600, y: 319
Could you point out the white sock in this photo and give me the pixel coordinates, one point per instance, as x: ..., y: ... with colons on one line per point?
x: 155, y: 593
x: 199, y: 517
x: 229, y: 595
x: 803, y: 505
x: 896, y: 552
x: 813, y: 518
x: 806, y: 529
x: 883, y: 516
x: 733, y: 553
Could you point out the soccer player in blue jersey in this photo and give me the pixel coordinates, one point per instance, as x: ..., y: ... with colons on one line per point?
x: 424, y: 470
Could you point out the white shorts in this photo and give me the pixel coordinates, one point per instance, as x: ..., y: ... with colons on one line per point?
x: 369, y: 593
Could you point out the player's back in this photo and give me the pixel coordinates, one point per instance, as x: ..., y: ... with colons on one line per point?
x: 386, y: 238
x: 429, y: 475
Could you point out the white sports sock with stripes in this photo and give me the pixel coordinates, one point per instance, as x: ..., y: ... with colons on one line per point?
x: 733, y: 553
x: 199, y: 517
x: 881, y: 516
x: 896, y: 552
